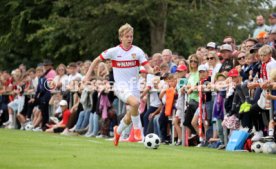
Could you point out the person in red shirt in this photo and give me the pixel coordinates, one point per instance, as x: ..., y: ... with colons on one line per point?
x: 58, y: 128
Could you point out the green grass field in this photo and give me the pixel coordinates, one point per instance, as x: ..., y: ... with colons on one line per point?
x: 36, y: 150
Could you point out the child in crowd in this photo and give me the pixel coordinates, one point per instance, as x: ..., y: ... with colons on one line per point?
x: 181, y: 72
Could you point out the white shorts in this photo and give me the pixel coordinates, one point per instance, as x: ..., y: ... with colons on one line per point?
x: 179, y: 114
x: 123, y: 95
x: 203, y: 112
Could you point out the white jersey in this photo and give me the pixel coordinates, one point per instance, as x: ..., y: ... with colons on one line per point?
x: 125, y: 64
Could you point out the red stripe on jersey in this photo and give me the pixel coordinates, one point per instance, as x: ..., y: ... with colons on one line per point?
x: 125, y: 48
x: 125, y: 63
x: 144, y: 63
x: 101, y: 56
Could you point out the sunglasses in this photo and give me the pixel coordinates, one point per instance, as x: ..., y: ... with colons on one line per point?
x: 227, y: 43
x: 191, y: 61
x: 241, y: 58
x: 211, y: 58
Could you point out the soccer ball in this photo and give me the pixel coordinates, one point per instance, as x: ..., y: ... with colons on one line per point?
x: 257, y: 147
x: 152, y: 141
x: 269, y: 148
x: 29, y: 127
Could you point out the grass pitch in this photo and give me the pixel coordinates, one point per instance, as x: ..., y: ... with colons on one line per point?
x: 37, y: 150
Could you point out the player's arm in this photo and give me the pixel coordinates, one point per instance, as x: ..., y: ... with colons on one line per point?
x: 148, y: 68
x: 91, y: 68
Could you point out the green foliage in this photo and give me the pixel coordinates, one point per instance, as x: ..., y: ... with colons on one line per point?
x: 71, y: 30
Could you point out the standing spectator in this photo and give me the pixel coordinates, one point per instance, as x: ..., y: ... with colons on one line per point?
x: 227, y: 62
x: 202, y: 52
x: 50, y: 73
x: 167, y: 58
x: 261, y: 26
x: 249, y: 43
x: 192, y: 93
x: 272, y: 21
x: 213, y: 64
x: 211, y: 46
x: 263, y: 37
x: 61, y: 80
x: 231, y: 41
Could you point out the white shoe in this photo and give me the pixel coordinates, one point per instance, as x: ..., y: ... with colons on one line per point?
x: 38, y: 129
x: 257, y: 136
x: 72, y: 129
x: 65, y: 133
x: 7, y: 123
x: 10, y: 126
x: 101, y: 136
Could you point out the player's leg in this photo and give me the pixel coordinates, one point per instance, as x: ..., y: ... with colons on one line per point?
x: 135, y: 117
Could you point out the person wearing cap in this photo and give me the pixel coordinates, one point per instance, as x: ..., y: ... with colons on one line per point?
x: 227, y: 62
x: 211, y: 46
x: 231, y: 41
x: 58, y: 128
x: 261, y: 26
x: 263, y: 37
x: 272, y: 21
x: 179, y: 114
x: 204, y: 80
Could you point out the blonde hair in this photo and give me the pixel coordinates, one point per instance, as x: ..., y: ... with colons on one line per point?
x: 125, y: 29
x: 273, y: 74
x: 190, y: 57
x: 213, y: 54
x: 265, y: 50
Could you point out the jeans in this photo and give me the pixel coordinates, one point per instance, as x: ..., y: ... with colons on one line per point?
x: 93, y: 126
x: 146, y: 118
x: 156, y: 125
x: 83, y: 119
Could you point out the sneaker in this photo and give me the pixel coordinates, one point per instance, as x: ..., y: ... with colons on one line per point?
x: 101, y: 136
x: 178, y: 143
x: 116, y: 136
x: 10, y: 126
x: 7, y: 123
x: 137, y: 134
x: 38, y: 129
x: 221, y: 147
x: 89, y: 135
x: 267, y: 139
x: 257, y: 136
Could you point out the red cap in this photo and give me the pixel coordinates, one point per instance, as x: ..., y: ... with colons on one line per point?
x: 181, y: 68
x: 233, y: 73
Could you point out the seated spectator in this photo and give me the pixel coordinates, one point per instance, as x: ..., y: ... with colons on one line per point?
x: 58, y: 128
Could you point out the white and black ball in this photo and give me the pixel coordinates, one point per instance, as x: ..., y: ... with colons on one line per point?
x: 152, y: 141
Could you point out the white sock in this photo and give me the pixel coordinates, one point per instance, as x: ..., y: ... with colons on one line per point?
x: 10, y: 118
x: 270, y: 132
x: 136, y: 121
x: 122, y: 126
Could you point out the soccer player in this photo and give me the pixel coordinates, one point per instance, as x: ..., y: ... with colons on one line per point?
x: 126, y: 59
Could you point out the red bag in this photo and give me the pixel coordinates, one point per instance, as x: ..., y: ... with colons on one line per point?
x: 247, y: 145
